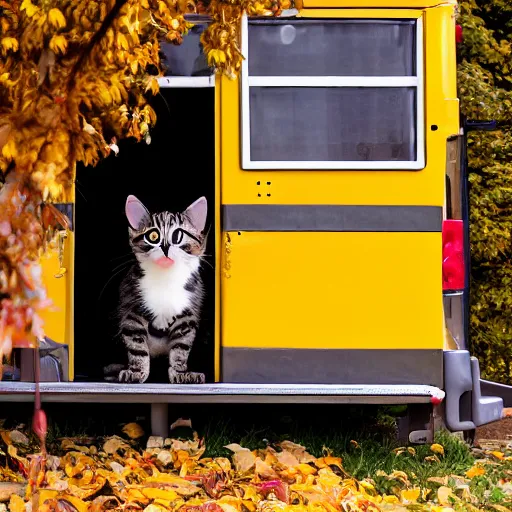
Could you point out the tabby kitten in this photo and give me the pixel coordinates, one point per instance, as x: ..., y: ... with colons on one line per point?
x: 162, y: 295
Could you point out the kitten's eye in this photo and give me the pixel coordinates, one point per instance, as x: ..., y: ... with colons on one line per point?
x: 177, y: 236
x: 152, y: 237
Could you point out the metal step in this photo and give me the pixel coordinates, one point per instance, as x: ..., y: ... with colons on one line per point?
x: 465, y: 406
x: 496, y: 389
x: 486, y: 409
x: 221, y: 393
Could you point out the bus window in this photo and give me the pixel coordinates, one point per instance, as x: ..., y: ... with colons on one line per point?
x: 186, y: 59
x: 332, y: 94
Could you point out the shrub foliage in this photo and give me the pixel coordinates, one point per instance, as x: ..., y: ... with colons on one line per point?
x: 485, y: 90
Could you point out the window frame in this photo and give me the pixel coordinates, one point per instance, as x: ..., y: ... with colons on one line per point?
x: 333, y: 81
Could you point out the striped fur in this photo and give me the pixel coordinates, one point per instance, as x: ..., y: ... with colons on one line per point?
x: 162, y: 295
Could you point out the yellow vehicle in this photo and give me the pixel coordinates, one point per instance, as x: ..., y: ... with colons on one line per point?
x: 334, y: 168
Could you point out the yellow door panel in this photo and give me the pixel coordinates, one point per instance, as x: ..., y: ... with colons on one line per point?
x: 58, y: 275
x: 55, y: 319
x: 332, y: 290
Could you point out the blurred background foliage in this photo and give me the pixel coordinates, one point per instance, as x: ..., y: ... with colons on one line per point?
x: 485, y: 91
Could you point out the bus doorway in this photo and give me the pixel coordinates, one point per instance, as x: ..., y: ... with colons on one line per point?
x: 169, y: 174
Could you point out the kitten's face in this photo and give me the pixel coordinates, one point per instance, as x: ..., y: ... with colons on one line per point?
x: 167, y: 240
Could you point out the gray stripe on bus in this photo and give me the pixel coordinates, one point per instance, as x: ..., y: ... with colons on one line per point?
x: 332, y: 366
x: 335, y: 218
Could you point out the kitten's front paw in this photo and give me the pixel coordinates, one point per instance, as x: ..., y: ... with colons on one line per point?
x: 128, y: 376
x: 197, y: 378
x: 185, y: 377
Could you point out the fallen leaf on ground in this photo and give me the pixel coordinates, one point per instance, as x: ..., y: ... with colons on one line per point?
x: 133, y: 430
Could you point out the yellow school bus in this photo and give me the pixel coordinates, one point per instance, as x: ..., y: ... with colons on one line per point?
x: 339, y: 207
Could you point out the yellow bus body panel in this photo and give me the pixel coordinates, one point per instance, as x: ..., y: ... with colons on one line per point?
x: 346, y: 290
x: 332, y: 290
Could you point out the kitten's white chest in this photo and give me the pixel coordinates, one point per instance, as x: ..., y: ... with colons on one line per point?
x: 164, y: 294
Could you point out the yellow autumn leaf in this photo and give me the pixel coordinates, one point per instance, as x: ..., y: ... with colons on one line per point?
x: 105, y: 96
x: 155, y: 508
x: 445, y: 495
x: 163, y: 494
x: 9, y: 150
x: 56, y: 18
x: 152, y: 85
x: 16, y: 504
x: 122, y: 42
x: 133, y: 430
x: 115, y: 93
x: 77, y: 503
x: 499, y: 508
x: 29, y: 8
x: 216, y: 57
x: 499, y: 455
x: 410, y: 495
x: 10, y: 43
x: 475, y: 471
x: 389, y: 498
x: 58, y: 44
x: 437, y: 448
x: 306, y: 469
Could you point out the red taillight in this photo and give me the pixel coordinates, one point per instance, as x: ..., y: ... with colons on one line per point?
x: 453, y: 255
x: 458, y: 34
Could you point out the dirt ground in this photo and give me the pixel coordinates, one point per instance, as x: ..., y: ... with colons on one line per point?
x: 501, y: 430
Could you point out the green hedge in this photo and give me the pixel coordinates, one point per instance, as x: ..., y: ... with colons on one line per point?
x: 485, y: 90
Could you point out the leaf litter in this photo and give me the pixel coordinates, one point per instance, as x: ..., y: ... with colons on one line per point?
x: 121, y: 474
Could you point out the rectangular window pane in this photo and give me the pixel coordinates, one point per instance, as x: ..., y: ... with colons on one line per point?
x: 186, y: 59
x: 332, y: 124
x: 332, y: 48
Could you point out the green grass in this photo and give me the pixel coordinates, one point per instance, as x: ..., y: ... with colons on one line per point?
x: 318, y: 428
x: 373, y: 451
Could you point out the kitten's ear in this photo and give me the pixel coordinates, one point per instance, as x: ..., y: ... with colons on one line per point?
x: 196, y: 213
x: 136, y: 213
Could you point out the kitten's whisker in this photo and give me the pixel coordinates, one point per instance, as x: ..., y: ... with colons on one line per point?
x: 123, y: 266
x: 208, y: 263
x: 127, y: 255
x: 165, y: 101
x: 77, y: 187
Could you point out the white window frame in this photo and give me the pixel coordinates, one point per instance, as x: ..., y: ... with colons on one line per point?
x: 333, y: 81
x: 186, y: 82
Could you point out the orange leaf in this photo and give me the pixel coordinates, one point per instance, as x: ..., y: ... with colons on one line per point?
x: 475, y: 471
